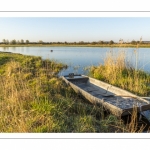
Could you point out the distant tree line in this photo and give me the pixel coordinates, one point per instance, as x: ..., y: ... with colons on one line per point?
x: 4, y: 41
x: 21, y: 42
x: 137, y: 42
x: 13, y: 42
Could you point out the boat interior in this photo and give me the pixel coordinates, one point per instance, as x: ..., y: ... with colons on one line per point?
x: 107, y: 92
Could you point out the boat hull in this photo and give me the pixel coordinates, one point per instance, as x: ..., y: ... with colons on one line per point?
x: 119, y: 102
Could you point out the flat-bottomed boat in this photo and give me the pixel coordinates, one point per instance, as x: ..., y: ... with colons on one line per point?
x: 118, y: 101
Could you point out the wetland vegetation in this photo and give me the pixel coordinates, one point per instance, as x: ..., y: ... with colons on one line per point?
x: 117, y: 71
x: 34, y: 99
x: 77, y: 45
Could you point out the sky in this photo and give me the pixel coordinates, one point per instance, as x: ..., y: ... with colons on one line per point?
x: 75, y: 29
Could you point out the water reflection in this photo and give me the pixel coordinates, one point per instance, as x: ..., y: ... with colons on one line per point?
x: 5, y: 48
x: 79, y: 58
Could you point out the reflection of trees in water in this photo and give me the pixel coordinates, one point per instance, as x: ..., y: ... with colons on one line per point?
x: 5, y: 48
x: 78, y: 58
x: 22, y: 49
x: 13, y: 48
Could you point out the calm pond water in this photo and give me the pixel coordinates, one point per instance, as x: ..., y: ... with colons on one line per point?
x: 80, y: 58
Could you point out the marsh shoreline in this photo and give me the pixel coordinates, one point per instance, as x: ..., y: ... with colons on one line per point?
x: 77, y: 45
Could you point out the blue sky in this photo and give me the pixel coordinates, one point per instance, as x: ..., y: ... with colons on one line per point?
x: 54, y: 29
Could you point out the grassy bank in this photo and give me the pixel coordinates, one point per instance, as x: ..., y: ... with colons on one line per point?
x: 117, y: 71
x: 34, y: 99
x: 77, y: 45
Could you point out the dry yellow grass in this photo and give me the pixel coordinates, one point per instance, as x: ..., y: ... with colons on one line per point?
x: 117, y: 71
x: 33, y: 100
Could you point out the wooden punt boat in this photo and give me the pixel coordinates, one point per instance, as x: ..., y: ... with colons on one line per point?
x: 118, y: 101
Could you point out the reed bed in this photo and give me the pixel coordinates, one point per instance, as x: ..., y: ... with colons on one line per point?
x: 117, y: 71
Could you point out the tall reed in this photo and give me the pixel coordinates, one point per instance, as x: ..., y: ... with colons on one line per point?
x: 117, y: 71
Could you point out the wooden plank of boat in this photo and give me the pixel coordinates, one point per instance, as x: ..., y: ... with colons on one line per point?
x: 118, y: 101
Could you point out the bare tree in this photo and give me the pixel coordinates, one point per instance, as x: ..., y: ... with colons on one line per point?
x: 101, y: 42
x: 4, y: 41
x: 27, y: 41
x: 18, y: 42
x: 13, y: 41
x: 111, y: 42
x: 7, y: 41
x: 22, y: 41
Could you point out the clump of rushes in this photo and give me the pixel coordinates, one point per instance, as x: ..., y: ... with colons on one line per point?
x: 118, y: 72
x: 34, y: 99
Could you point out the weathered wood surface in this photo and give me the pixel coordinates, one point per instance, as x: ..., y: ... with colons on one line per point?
x: 118, y: 101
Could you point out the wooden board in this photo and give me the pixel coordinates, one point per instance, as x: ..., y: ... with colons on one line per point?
x: 98, y: 92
